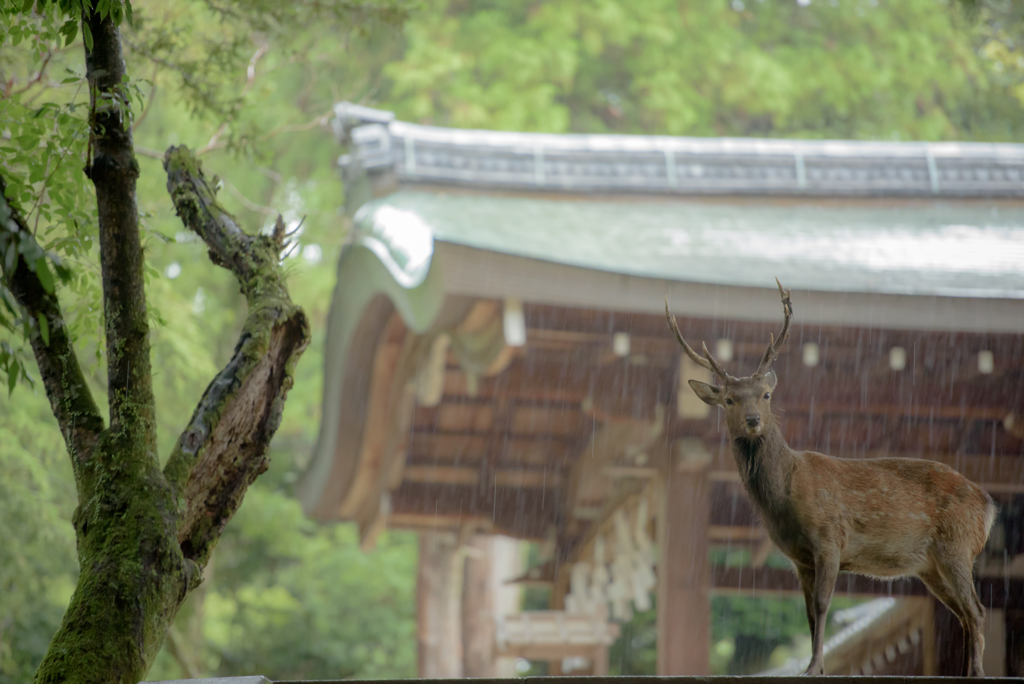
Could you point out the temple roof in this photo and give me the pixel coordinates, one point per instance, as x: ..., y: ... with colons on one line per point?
x: 490, y: 280
x: 679, y: 165
x: 942, y: 248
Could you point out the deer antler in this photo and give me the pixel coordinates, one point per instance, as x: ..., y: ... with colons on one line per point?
x: 774, y: 346
x: 707, y: 361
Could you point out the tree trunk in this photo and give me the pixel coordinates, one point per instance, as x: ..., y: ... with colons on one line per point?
x: 143, y: 534
x: 133, y: 575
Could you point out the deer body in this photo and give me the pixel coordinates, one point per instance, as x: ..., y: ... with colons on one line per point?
x: 883, y: 517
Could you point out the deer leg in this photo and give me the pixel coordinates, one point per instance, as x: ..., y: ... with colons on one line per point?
x: 806, y: 576
x: 971, y: 614
x: 940, y: 588
x: 826, y: 570
x: 955, y: 588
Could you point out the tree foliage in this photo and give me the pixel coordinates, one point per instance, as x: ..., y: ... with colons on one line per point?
x: 241, y: 83
x: 877, y: 69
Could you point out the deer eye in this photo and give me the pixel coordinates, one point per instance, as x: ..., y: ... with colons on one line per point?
x: 767, y: 395
x: 728, y: 402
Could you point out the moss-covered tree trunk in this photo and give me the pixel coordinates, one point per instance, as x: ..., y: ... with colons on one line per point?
x: 144, y: 532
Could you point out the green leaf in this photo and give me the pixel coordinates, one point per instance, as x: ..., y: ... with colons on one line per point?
x: 12, y: 378
x: 10, y: 259
x: 87, y: 36
x: 44, y: 330
x: 28, y: 141
x: 70, y: 31
x: 44, y: 275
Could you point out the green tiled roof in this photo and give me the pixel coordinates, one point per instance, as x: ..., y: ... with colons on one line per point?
x: 973, y: 249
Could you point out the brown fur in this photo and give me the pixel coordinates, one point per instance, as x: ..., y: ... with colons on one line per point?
x: 883, y: 517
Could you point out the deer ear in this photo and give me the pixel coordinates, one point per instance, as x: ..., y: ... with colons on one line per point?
x: 771, y: 379
x: 709, y: 394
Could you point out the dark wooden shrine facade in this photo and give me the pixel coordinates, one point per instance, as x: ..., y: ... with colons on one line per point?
x: 515, y: 456
x: 505, y: 455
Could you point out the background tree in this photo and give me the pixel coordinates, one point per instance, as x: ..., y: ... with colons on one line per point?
x: 144, y: 530
x: 858, y: 69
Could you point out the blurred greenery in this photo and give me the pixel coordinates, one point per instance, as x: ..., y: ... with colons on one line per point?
x: 252, y: 84
x: 907, y: 69
x: 749, y: 634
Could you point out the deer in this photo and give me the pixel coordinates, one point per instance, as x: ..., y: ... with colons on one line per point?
x: 885, y: 518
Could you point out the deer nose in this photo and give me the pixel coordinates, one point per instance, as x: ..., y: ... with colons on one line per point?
x: 753, y: 419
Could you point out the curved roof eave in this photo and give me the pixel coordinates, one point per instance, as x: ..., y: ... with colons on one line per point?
x: 389, y: 254
x: 942, y: 266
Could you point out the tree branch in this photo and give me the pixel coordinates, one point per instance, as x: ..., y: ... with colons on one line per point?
x: 224, y: 447
x: 72, y: 403
x: 113, y: 171
x: 38, y: 77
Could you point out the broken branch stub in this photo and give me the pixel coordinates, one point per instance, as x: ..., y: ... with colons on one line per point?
x: 224, y: 447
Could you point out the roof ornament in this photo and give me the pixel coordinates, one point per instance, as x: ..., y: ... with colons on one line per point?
x: 368, y: 169
x: 348, y: 116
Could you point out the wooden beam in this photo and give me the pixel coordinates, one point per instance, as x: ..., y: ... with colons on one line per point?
x: 461, y: 448
x: 617, y: 472
x: 447, y: 522
x: 449, y: 475
x: 638, y: 389
x: 935, y: 360
x: 729, y: 533
x: 515, y: 512
x: 528, y: 478
x: 550, y: 652
x: 463, y: 475
x: 929, y: 346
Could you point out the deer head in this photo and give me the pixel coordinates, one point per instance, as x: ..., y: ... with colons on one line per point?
x: 747, y: 401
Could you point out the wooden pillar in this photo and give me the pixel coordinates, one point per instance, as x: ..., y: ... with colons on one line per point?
x: 684, y: 601
x: 507, y: 563
x: 557, y: 602
x: 929, y: 659
x: 600, y: 664
x: 1014, y: 643
x: 478, y: 609
x: 438, y: 629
